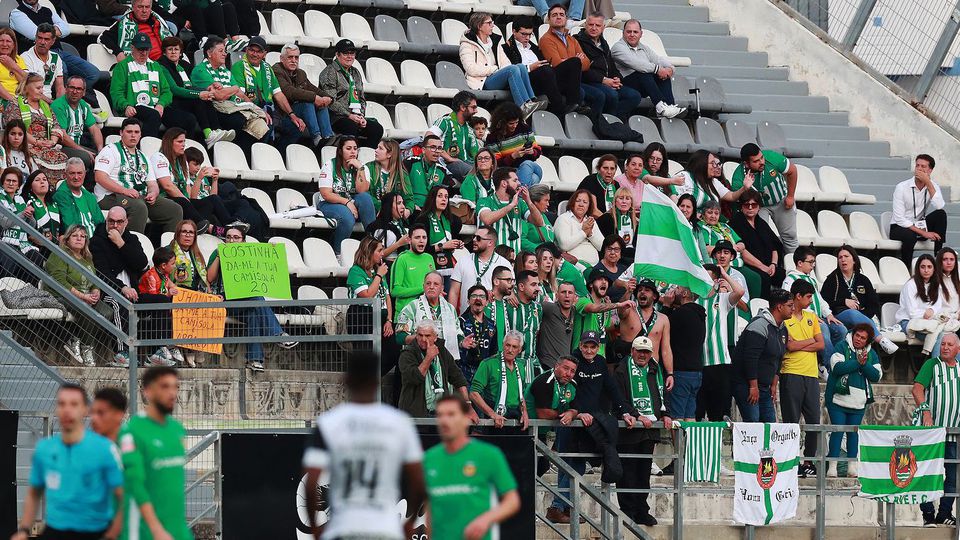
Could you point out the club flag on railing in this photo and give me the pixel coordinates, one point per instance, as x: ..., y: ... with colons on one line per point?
x: 666, y: 250
x: 704, y: 441
x: 765, y: 464
x: 901, y: 465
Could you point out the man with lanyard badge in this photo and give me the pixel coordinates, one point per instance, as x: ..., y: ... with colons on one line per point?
x: 261, y: 86
x: 918, y: 210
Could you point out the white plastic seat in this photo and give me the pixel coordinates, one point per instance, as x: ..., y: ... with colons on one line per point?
x: 894, y: 271
x: 311, y: 292
x: 357, y: 29
x: 869, y: 269
x: 886, y: 218
x: 865, y: 227
x: 229, y: 158
x: 826, y: 264
x: 288, y: 199
x: 612, y: 34
x: 348, y: 252
x: 113, y: 121
x: 756, y: 304
x: 508, y: 8
x: 286, y: 23
x: 381, y: 73
x: 550, y: 176
x: 318, y: 24
x: 302, y: 160
x: 295, y: 263
x: 562, y: 207
x: 266, y: 159
x: 832, y: 180
x: 166, y: 238
x: 267, y: 205
x: 807, y: 234
x: 807, y: 187
x: 788, y: 264
x: 150, y: 146
x: 572, y: 171
x: 833, y: 229
x: 729, y: 167
x: 378, y: 111
x: 146, y: 245
x: 327, y: 153
x: 483, y: 113
x: 320, y: 260
x: 451, y: 30
x: 436, y: 111
x: 415, y: 74
x: 409, y: 120
x: 269, y: 36
x: 312, y: 65
x: 651, y: 39
x: 888, y: 320
x: 208, y: 243
x: 99, y: 56
x: 673, y: 167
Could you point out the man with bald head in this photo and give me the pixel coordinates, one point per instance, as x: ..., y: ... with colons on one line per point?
x: 935, y: 391
x: 117, y: 254
x: 77, y: 205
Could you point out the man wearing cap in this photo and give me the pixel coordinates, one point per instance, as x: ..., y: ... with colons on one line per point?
x: 139, y: 90
x: 140, y: 19
x: 262, y: 88
x: 593, y: 311
x: 641, y: 380
x: 716, y: 393
x: 341, y: 81
x: 308, y: 102
x: 523, y: 317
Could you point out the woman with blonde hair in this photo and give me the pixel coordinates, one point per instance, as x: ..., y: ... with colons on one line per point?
x: 13, y: 70
x: 386, y: 173
x: 547, y: 270
x: 189, y: 269
x: 42, y: 130
x: 621, y: 219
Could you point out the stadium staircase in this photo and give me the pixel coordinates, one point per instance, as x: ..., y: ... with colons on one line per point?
x: 807, y: 120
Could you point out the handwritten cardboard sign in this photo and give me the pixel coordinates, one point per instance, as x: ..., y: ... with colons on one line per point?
x: 254, y: 269
x: 198, y: 322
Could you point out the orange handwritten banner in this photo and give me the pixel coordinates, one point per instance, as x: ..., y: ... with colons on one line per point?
x: 198, y: 322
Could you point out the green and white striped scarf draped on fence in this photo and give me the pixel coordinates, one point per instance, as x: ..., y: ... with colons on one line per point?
x: 901, y: 465
x: 701, y: 451
x: 666, y: 249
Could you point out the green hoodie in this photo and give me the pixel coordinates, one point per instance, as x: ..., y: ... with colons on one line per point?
x: 82, y: 210
x: 406, y: 277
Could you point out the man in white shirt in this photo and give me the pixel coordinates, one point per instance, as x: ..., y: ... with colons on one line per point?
x: 645, y: 71
x: 48, y: 64
x: 918, y: 210
x: 476, y: 269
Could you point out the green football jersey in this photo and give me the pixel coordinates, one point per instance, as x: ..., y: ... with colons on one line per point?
x: 153, y: 459
x: 770, y: 183
x: 583, y: 322
x: 463, y: 485
x: 509, y: 227
x: 715, y: 348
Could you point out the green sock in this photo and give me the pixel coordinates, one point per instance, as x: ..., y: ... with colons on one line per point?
x: 206, y: 132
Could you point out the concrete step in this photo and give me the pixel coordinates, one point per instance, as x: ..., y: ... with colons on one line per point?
x: 713, y: 43
x: 752, y: 86
x: 826, y: 147
x: 859, y: 177
x: 833, y: 118
x: 670, y: 13
x: 721, y: 58
x: 632, y: 5
x: 805, y: 104
x: 842, y: 133
x: 733, y: 72
x: 665, y: 25
x: 848, y: 162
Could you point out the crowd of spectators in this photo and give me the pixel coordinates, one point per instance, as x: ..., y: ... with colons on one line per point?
x: 546, y: 316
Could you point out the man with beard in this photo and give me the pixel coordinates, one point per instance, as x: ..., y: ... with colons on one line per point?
x: 480, y: 331
x: 523, y: 316
x: 648, y: 322
x: 503, y: 281
x: 477, y: 268
x: 508, y: 208
x: 593, y: 312
x: 460, y: 144
x: 151, y: 446
x: 556, y: 327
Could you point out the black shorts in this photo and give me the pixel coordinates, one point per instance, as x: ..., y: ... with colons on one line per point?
x: 53, y: 534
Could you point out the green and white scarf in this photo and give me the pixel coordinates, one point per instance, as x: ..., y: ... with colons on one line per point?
x: 626, y: 227
x: 353, y: 96
x: 563, y: 395
x: 502, y: 398
x: 26, y: 114
x: 129, y: 28
x: 257, y: 82
x: 640, y: 394
x: 609, y: 191
x: 133, y: 169
x: 436, y: 386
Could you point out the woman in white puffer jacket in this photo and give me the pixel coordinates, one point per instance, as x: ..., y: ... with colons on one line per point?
x: 478, y: 56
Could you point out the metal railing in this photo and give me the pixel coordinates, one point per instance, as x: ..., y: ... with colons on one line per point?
x: 911, y: 47
x: 298, y: 382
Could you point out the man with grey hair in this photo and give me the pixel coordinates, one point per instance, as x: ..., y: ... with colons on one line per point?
x: 308, y: 102
x: 645, y: 71
x: 497, y: 387
x: 935, y: 392
x: 77, y: 205
x: 427, y: 373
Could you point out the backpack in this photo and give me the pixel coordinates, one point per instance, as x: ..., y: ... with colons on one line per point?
x: 615, y: 131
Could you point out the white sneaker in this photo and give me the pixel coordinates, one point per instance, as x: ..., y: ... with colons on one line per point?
x: 73, y: 350
x: 216, y: 135
x: 853, y: 468
x: 177, y: 355
x: 655, y: 469
x: 670, y: 111
x: 228, y: 135
x: 832, y: 469
x: 888, y: 346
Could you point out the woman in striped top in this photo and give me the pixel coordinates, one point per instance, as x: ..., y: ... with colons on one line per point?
x: 514, y: 143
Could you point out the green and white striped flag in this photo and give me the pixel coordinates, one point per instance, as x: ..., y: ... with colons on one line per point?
x: 765, y: 464
x: 666, y: 249
x: 901, y: 465
x: 701, y: 455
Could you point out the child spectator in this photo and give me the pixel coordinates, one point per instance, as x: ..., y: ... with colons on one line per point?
x: 157, y: 287
x: 479, y: 126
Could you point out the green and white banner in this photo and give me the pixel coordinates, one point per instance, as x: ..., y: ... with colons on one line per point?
x: 901, y: 465
x: 704, y: 441
x: 666, y: 250
x: 765, y: 464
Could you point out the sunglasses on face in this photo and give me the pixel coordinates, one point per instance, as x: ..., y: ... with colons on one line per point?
x: 750, y: 205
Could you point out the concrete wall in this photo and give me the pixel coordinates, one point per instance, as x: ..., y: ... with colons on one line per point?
x: 830, y: 74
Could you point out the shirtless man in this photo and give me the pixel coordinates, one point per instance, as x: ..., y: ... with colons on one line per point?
x: 648, y: 322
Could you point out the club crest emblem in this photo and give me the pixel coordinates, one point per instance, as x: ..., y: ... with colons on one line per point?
x: 767, y: 470
x: 469, y: 469
x: 903, y: 462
